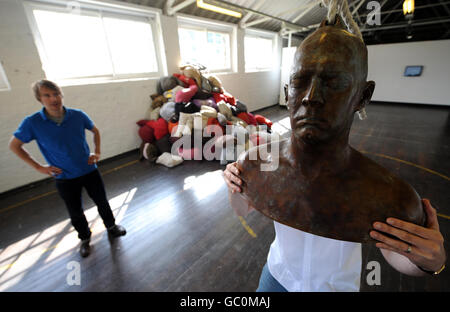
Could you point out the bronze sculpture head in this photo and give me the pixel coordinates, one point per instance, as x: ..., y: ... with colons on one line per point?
x: 328, y: 84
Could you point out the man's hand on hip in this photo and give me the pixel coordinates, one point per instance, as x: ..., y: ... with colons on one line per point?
x: 50, y: 170
x: 93, y: 158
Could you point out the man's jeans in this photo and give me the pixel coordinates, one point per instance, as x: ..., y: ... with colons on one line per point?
x: 267, y: 283
x: 70, y: 192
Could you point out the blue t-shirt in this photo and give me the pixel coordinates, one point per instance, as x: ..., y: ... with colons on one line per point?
x: 64, y: 146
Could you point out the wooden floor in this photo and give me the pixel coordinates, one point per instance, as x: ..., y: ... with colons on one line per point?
x: 182, y: 234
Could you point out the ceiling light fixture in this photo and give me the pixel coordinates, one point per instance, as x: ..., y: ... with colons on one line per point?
x: 217, y: 9
x: 408, y: 11
x: 408, y: 7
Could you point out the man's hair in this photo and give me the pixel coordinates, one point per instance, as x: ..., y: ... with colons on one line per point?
x: 44, y: 83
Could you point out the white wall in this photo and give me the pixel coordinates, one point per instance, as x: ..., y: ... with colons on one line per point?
x: 114, y: 107
x: 387, y: 64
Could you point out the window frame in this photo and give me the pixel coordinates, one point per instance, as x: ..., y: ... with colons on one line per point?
x: 98, y: 9
x: 254, y: 33
x: 197, y: 23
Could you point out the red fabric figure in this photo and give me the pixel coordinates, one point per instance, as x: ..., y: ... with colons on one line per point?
x: 160, y: 127
x: 263, y: 121
x: 248, y: 118
x: 225, y: 96
x: 145, y: 132
x: 186, y: 80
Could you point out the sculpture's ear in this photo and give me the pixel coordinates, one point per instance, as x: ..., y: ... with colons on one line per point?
x: 366, y: 95
x: 286, y: 87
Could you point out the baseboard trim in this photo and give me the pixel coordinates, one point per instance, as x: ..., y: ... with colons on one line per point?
x: 264, y: 108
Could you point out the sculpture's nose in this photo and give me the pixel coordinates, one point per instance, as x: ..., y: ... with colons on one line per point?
x: 313, y: 95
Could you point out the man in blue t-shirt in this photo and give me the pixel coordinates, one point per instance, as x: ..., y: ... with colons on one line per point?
x: 60, y: 134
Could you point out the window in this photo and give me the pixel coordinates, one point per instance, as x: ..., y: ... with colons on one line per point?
x: 4, y: 84
x: 259, y: 51
x: 206, y: 43
x: 94, y: 43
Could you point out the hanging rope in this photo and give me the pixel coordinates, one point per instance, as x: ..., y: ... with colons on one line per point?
x: 332, y: 9
x: 340, y: 7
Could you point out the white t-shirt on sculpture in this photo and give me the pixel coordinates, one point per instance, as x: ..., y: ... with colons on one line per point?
x: 309, y: 263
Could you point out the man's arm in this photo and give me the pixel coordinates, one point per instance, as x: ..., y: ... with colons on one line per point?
x: 93, y: 158
x: 16, y: 146
x: 426, y: 244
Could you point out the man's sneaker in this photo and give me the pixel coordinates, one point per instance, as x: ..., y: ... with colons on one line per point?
x: 85, y: 249
x: 117, y: 230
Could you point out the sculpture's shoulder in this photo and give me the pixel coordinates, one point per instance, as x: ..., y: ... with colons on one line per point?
x: 265, y: 170
x: 265, y: 157
x: 389, y: 190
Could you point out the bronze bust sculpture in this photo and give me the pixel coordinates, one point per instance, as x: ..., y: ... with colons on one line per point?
x: 322, y: 185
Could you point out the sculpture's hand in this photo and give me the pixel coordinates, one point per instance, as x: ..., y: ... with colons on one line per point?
x: 231, y: 177
x: 427, y: 243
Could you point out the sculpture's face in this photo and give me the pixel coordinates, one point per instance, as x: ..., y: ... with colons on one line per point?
x: 326, y: 85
